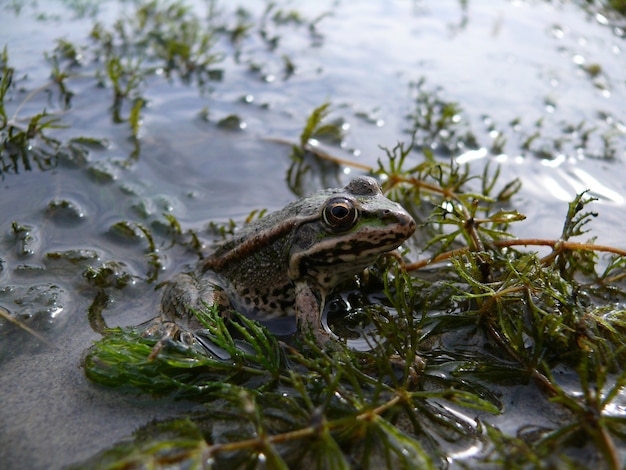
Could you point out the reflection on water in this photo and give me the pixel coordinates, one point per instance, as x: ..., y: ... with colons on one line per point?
x: 537, y: 86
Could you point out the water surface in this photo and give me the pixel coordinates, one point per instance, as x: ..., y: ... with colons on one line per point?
x: 517, y: 69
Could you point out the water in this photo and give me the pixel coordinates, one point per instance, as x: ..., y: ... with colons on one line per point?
x: 508, y: 64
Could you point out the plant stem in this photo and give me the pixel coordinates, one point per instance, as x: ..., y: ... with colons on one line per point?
x: 558, y: 245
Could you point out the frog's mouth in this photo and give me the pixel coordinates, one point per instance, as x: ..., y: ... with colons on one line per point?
x: 372, y: 243
x: 336, y: 260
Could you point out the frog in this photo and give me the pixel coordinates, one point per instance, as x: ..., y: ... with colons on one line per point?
x: 289, y: 261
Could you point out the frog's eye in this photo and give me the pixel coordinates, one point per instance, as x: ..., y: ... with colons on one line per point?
x: 339, y: 214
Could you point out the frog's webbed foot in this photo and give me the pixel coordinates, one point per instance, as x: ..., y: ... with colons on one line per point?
x: 166, y: 331
x: 309, y: 317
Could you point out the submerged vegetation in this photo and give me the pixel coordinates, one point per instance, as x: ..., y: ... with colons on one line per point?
x: 25, y: 141
x: 473, y: 333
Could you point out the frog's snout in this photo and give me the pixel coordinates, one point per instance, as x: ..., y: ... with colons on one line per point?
x: 407, y: 222
x: 411, y: 224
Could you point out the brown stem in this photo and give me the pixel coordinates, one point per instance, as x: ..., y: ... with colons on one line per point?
x: 437, y: 259
x: 7, y: 316
x: 318, y: 152
x: 557, y: 245
x: 340, y: 161
x: 367, y: 415
x: 539, y: 378
x: 609, y: 446
x: 447, y: 193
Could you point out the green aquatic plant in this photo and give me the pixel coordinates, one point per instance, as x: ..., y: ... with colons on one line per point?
x: 306, y: 155
x: 27, y: 142
x: 277, y: 396
x: 163, y: 36
x: 438, y: 124
x: 17, y: 152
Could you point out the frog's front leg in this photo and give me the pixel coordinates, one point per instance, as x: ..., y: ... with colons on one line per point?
x: 309, y: 310
x: 182, y: 295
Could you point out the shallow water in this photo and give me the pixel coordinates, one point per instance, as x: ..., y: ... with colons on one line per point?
x: 508, y: 64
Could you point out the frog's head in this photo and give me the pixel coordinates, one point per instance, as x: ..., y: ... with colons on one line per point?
x: 348, y: 230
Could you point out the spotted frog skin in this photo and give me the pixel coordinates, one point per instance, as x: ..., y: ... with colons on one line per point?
x: 287, y: 262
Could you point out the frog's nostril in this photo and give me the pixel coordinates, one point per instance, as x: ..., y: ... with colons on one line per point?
x: 388, y: 216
